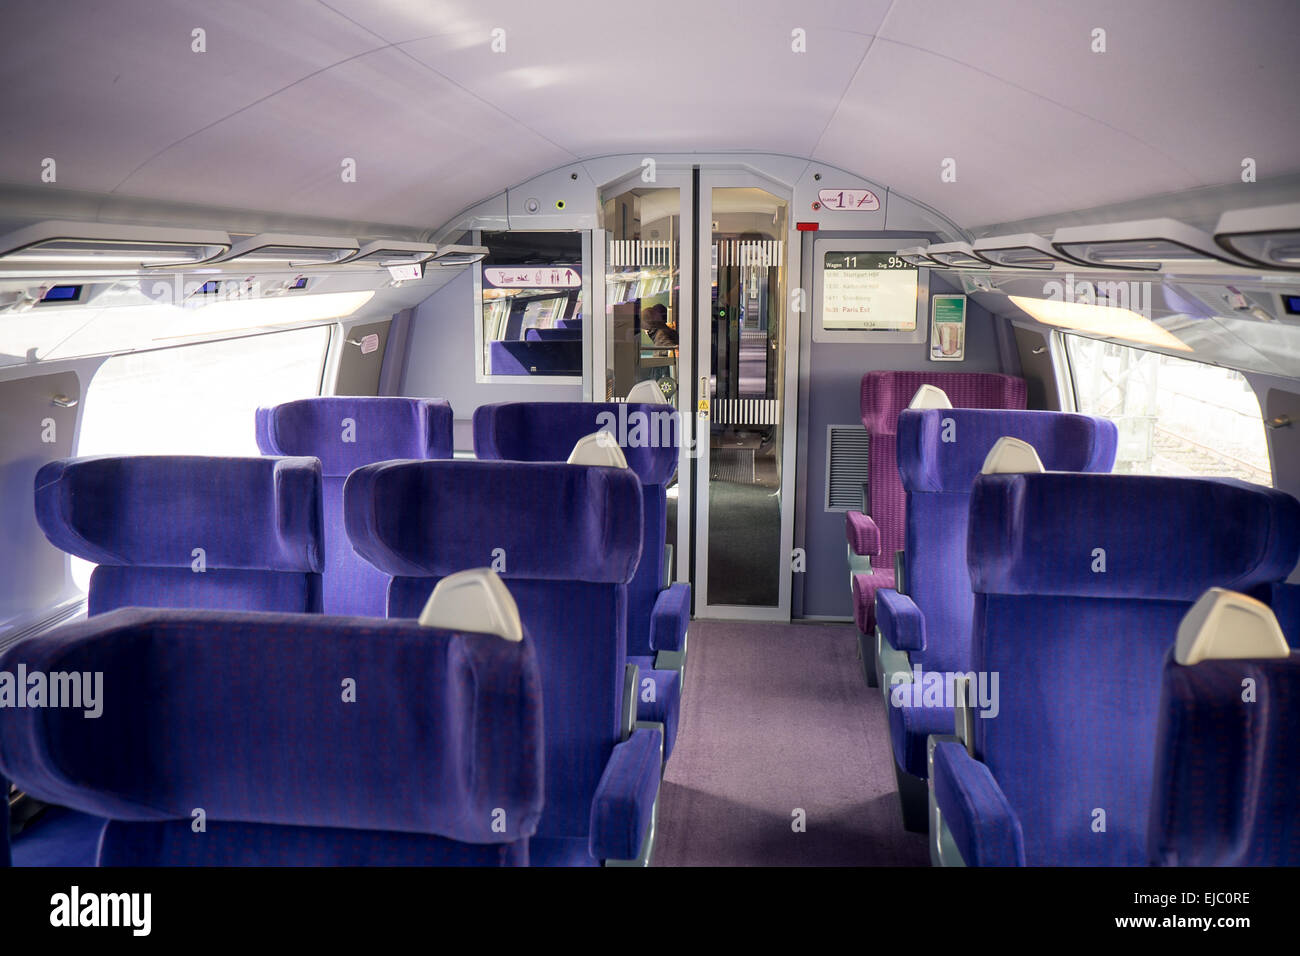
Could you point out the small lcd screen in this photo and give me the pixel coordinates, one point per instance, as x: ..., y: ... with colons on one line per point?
x: 1292, y: 304
x: 301, y: 283
x: 868, y: 292
x: 63, y: 293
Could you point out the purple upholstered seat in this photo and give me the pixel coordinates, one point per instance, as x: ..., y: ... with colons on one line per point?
x: 1227, y: 762
x: 196, y: 532
x: 658, y: 615
x: 225, y: 738
x: 1081, y: 582
x: 926, y: 630
x: 566, y: 539
x: 346, y: 433
x: 879, y: 532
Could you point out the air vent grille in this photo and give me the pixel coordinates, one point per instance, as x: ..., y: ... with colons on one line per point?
x: 846, y: 467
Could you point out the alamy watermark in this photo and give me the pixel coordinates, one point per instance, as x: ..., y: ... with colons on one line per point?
x: 75, y: 690
x: 919, y: 688
x: 1133, y: 295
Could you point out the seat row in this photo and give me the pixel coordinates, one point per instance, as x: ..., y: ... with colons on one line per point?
x: 349, y: 532
x: 1029, y: 650
x: 257, y: 738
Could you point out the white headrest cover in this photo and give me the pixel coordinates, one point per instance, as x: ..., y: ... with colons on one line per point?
x: 599, y: 448
x: 1227, y: 625
x: 1011, y: 456
x: 930, y: 396
x: 476, y: 600
x: 648, y: 393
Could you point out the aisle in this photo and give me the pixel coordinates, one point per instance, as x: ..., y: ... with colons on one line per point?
x: 777, y: 717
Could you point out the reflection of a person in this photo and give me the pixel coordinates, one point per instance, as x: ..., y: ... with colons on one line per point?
x: 654, y: 322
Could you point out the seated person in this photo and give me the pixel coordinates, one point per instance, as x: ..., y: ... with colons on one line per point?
x: 654, y: 322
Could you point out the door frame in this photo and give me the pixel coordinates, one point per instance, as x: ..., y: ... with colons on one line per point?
x: 680, y: 178
x: 700, y: 414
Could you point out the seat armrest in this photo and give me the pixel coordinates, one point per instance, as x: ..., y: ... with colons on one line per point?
x: 670, y: 618
x: 623, y: 809
x: 900, y: 621
x: 863, y: 535
x: 972, y: 807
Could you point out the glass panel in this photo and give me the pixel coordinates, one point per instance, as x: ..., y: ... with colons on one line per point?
x: 1175, y: 416
x: 532, y: 303
x: 196, y: 400
x: 642, y: 291
x: 746, y: 375
x: 642, y: 301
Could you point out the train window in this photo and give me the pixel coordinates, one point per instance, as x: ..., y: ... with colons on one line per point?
x: 531, y: 318
x: 1175, y: 416
x: 196, y: 399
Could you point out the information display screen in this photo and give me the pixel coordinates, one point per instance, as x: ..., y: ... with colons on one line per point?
x: 868, y: 292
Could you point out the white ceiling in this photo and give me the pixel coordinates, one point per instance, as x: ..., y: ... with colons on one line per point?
x: 412, y: 91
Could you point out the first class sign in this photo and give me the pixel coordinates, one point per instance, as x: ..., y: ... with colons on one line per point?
x: 848, y: 200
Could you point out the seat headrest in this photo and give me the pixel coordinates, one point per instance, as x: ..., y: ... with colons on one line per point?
x: 360, y: 723
x: 647, y: 393
x: 1127, y: 536
x: 1226, y: 625
x: 547, y: 431
x: 599, y: 449
x: 943, y: 450
x: 476, y: 600
x: 1011, y: 456
x: 885, y: 394
x: 929, y: 396
x: 529, y: 520
x: 347, y: 432
x: 261, y: 514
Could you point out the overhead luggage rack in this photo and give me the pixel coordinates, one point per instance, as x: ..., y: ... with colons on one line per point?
x: 1025, y: 250
x: 391, y: 252
x: 60, y: 245
x: 281, y: 249
x: 1149, y: 245
x: 916, y: 255
x: 958, y: 255
x: 457, y: 255
x: 1267, y: 235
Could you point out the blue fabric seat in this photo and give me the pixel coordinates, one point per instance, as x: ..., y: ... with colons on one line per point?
x: 346, y: 433
x: 197, y: 532
x: 567, y: 540
x: 926, y: 631
x: 1227, y: 758
x: 1080, y: 584
x: 874, y: 535
x: 657, y: 615
x: 435, y: 758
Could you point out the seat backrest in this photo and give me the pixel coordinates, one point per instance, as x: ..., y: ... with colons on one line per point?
x: 884, y: 395
x: 1080, y: 584
x: 1227, y: 755
x: 346, y: 433
x: 195, y: 532
x: 297, y: 739
x: 648, y: 435
x: 940, y: 451
x: 566, y: 539
x: 1227, y: 760
x: 532, y: 357
x: 559, y: 334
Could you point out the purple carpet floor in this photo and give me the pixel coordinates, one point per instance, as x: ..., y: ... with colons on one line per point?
x: 777, y: 718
